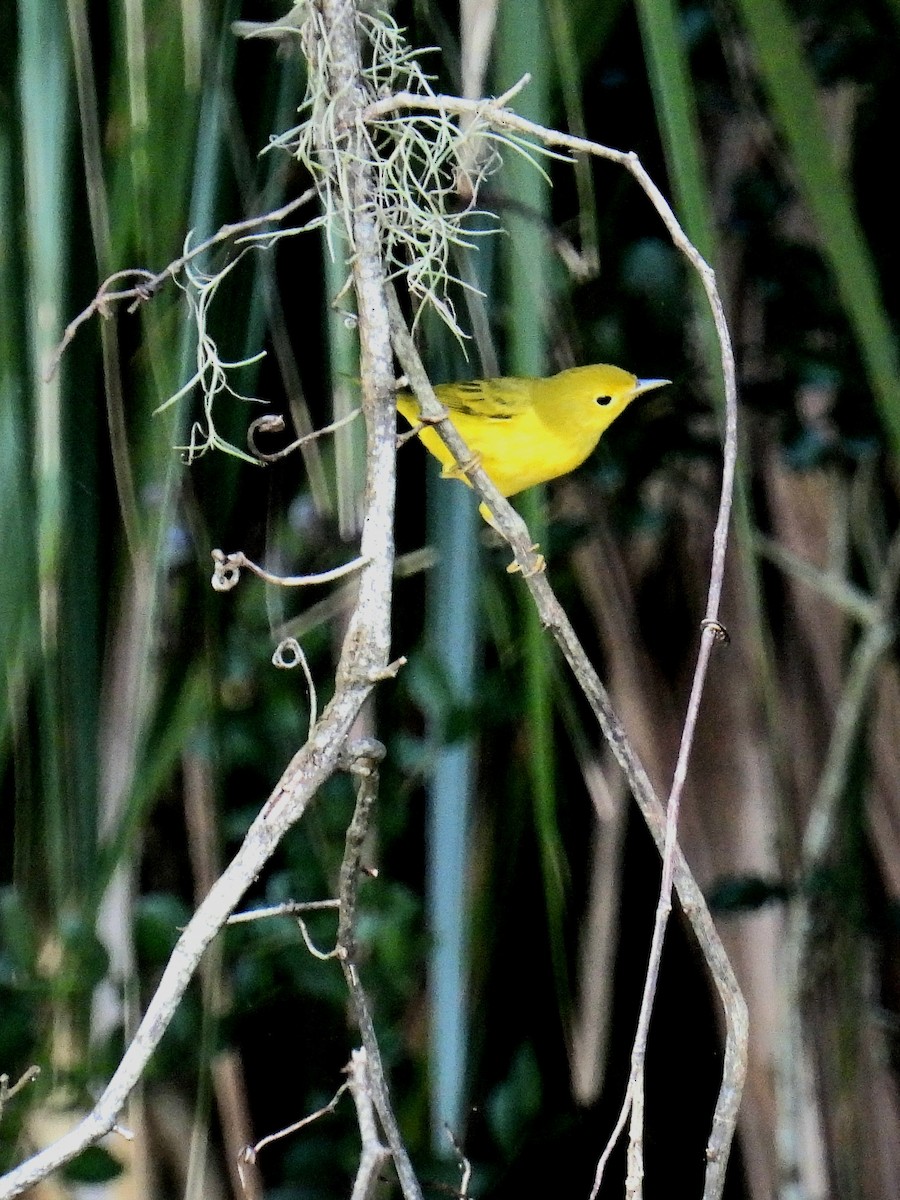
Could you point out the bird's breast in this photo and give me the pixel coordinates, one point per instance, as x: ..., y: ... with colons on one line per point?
x: 525, y: 450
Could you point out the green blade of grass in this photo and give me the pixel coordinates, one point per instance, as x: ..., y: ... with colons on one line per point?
x: 792, y: 92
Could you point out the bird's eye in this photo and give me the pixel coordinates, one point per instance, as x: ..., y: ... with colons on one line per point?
x: 604, y: 400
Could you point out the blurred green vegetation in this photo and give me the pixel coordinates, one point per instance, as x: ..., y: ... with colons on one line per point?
x: 139, y: 709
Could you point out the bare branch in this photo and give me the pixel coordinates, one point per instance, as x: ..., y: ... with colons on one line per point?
x: 554, y: 619
x: 321, y: 955
x: 494, y: 114
x: 227, y: 572
x: 290, y: 908
x: 250, y: 1153
x: 274, y: 423
x: 288, y: 653
x: 373, y: 1154
x: 7, y: 1090
x: 149, y: 282
x: 362, y: 760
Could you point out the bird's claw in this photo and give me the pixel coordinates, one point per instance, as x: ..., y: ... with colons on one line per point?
x: 459, y: 470
x: 537, y: 568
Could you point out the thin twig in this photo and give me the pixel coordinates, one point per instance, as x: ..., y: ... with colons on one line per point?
x: 321, y: 955
x: 251, y: 1153
x: 465, y: 1166
x: 288, y: 653
x: 7, y: 1090
x: 274, y: 423
x: 227, y: 572
x: 554, y: 618
x: 363, y: 760
x: 492, y: 113
x: 149, y: 282
x: 290, y: 908
x: 372, y: 1153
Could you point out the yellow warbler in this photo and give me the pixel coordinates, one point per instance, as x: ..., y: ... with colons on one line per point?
x: 526, y: 431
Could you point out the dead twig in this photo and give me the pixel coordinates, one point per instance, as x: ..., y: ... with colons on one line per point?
x: 227, y: 572
x: 362, y: 760
x: 373, y: 1154
x: 661, y: 821
x: 496, y: 115
x: 8, y: 1090
x: 147, y: 283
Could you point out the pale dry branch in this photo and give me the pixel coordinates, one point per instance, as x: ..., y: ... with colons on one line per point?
x: 364, y: 656
x: 465, y: 1166
x: 251, y: 1153
x: 289, y: 654
x: 275, y: 424
x: 321, y: 955
x: 662, y: 822
x: 373, y: 1154
x: 228, y: 567
x: 8, y: 1090
x: 362, y: 760
x: 491, y: 112
x: 148, y: 283
x: 290, y: 908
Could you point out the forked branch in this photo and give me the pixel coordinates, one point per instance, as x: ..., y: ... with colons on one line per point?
x: 663, y: 823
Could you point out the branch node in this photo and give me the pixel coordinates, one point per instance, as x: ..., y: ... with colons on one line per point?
x: 380, y: 674
x: 362, y: 756
x: 720, y: 633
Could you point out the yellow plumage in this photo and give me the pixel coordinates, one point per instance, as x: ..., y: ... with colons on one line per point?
x: 526, y: 431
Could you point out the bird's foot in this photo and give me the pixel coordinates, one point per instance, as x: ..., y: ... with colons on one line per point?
x: 460, y: 470
x: 537, y: 568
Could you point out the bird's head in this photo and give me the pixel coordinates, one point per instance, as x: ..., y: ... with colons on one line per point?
x: 602, y: 392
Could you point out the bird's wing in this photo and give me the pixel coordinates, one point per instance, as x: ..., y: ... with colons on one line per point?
x: 490, y: 399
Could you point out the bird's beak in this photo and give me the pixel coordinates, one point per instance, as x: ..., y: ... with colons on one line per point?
x: 647, y: 385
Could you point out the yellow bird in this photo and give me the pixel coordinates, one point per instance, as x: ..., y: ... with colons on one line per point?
x: 526, y: 431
